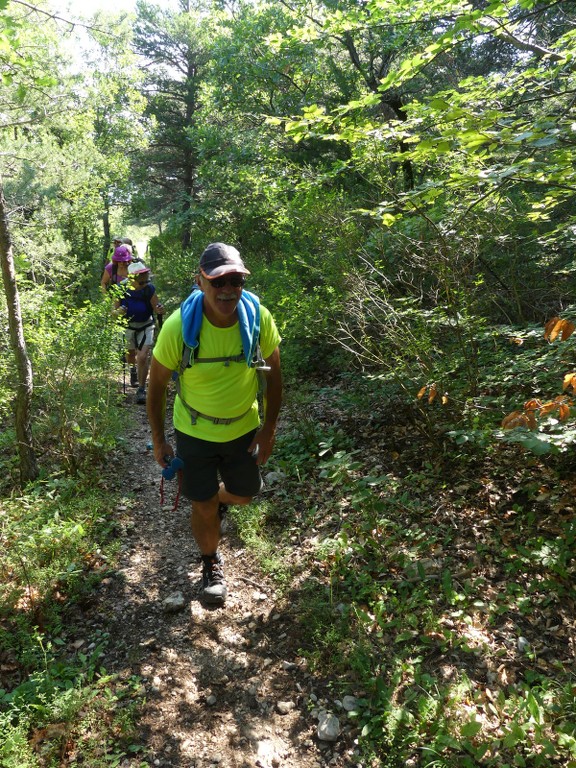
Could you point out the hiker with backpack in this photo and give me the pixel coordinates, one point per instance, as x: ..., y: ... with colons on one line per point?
x: 136, y: 303
x: 116, y: 241
x: 216, y: 343
x: 133, y: 248
x: 117, y: 269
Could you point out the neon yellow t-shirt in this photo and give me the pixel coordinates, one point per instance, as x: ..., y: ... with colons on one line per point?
x: 215, y: 389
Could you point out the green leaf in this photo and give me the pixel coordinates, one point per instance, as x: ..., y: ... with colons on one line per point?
x: 514, y: 736
x: 534, y: 708
x: 545, y: 142
x: 470, y: 729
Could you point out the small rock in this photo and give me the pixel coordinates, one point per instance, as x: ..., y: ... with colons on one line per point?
x: 285, y: 707
x: 211, y: 700
x: 350, y: 703
x: 288, y: 666
x: 174, y: 602
x: 328, y: 727
x: 273, y: 478
x: 523, y: 644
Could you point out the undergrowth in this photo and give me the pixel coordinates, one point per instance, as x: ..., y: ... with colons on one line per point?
x: 58, y: 540
x: 435, y: 586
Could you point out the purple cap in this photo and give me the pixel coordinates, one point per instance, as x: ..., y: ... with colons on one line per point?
x: 122, y: 253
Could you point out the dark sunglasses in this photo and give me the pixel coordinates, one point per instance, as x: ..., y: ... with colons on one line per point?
x: 236, y: 281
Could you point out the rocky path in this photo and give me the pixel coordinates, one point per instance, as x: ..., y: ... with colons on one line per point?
x: 224, y: 686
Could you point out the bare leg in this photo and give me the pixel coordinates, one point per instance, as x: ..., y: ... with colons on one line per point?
x: 229, y: 498
x: 143, y: 362
x: 206, y: 532
x: 206, y: 525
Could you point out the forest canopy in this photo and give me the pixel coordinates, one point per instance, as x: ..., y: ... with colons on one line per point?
x: 410, y: 166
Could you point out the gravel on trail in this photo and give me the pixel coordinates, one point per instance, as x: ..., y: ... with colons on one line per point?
x: 223, y: 686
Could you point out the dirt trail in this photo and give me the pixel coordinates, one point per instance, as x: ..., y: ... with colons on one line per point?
x: 224, y: 686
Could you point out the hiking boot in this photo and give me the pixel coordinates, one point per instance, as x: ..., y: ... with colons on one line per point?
x: 213, y: 585
x: 133, y: 377
x: 141, y: 395
x: 222, y: 510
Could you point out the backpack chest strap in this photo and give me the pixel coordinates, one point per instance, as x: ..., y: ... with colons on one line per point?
x: 195, y: 415
x: 226, y: 360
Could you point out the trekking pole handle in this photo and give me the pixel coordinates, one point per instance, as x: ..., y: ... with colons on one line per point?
x: 173, y: 464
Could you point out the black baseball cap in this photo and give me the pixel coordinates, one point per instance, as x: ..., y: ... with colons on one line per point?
x: 221, y: 259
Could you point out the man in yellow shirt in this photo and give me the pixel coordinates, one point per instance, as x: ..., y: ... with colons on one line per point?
x: 229, y: 336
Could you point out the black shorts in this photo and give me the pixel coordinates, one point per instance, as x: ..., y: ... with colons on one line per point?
x: 205, y: 463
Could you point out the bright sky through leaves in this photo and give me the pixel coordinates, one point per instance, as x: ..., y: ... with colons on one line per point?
x: 87, y: 8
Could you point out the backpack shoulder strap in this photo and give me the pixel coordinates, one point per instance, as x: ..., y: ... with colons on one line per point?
x: 148, y: 299
x: 187, y: 356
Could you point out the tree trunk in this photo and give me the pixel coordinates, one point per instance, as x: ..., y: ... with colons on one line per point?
x: 190, y: 169
x: 27, y: 456
x: 106, y: 226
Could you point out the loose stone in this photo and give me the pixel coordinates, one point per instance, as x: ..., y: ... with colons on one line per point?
x: 328, y: 727
x: 284, y: 707
x: 350, y: 703
x: 174, y: 602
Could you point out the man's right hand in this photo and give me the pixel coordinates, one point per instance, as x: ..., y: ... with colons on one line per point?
x: 163, y: 451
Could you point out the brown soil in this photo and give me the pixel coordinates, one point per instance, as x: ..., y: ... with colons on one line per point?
x: 215, y: 678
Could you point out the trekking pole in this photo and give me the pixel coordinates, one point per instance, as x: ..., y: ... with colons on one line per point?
x: 160, y: 319
x: 173, y: 467
x: 123, y: 353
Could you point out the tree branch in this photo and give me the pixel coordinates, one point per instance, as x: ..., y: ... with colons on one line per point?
x: 55, y: 17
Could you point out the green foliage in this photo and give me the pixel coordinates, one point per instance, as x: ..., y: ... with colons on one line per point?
x: 51, y: 546
x: 400, y: 602
x: 250, y: 523
x: 57, y: 543
x: 98, y: 721
x: 74, y: 352
x: 76, y: 358
x: 398, y: 624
